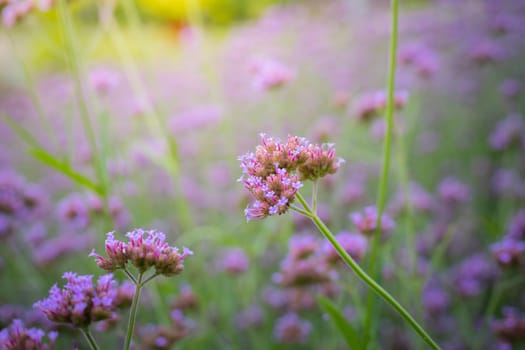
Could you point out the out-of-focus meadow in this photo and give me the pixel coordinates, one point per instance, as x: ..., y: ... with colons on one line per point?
x: 123, y: 114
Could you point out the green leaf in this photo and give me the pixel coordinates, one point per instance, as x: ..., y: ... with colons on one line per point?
x: 21, y: 132
x: 345, y: 328
x: 47, y: 158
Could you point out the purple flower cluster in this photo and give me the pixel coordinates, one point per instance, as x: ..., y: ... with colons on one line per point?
x: 473, y: 274
x: 269, y: 74
x: 272, y: 174
x: 372, y: 104
x: 80, y: 302
x: 510, y: 328
x: 291, y: 329
x: 234, y: 261
x: 508, y: 132
x: 19, y: 200
x: 76, y: 211
x: 18, y: 337
x: 144, y: 250
x: 452, y: 191
x: 510, y: 250
x: 354, y: 244
x: 423, y: 59
x: 366, y: 221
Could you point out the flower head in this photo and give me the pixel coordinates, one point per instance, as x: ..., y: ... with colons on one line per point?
x: 366, y: 221
x: 144, y: 250
x: 270, y: 74
x: 321, y: 161
x: 273, y: 172
x: 17, y: 336
x: 354, y: 244
x: 291, y: 329
x: 80, y: 302
x: 234, y: 261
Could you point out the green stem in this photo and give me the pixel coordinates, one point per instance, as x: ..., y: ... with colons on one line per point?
x: 130, y: 276
x: 150, y: 278
x: 374, y: 286
x: 92, y: 343
x: 387, y: 146
x: 315, y: 186
x: 133, y: 312
x: 299, y: 210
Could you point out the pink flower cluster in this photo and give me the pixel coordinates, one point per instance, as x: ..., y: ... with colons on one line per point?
x: 16, y: 10
x: 145, y: 249
x: 372, y: 104
x: 270, y: 74
x: 17, y: 336
x: 366, y: 221
x: 272, y: 174
x: 80, y: 302
x: 291, y: 329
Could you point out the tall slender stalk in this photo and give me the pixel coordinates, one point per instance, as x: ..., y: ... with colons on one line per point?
x: 387, y: 149
x: 374, y: 286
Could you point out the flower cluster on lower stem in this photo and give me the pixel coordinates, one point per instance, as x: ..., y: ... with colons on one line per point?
x: 17, y: 336
x: 144, y: 250
x: 80, y: 302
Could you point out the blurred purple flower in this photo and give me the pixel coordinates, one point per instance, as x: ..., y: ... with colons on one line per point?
x: 18, y: 337
x: 249, y: 317
x: 508, y: 132
x: 366, y: 221
x: 508, y: 252
x: 354, y: 244
x: 270, y: 74
x: 510, y: 88
x: 234, y: 261
x: 291, y: 329
x: 452, y: 191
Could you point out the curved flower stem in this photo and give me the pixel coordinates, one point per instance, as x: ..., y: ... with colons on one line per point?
x: 133, y: 312
x: 301, y: 211
x: 365, y: 277
x: 92, y: 343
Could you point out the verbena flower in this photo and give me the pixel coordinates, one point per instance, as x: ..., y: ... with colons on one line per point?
x: 144, y: 250
x: 366, y: 221
x: 291, y: 329
x: 508, y: 132
x: 510, y: 328
x: 186, y: 300
x: 270, y: 74
x: 250, y: 317
x: 321, y: 162
x: 508, y: 252
x: 80, y: 302
x: 234, y: 261
x: 18, y: 337
x: 273, y: 172
x: 354, y: 244
x: 452, y: 191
